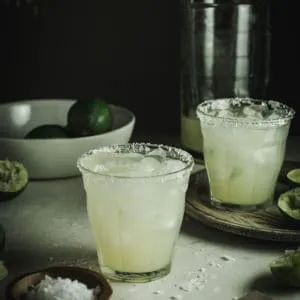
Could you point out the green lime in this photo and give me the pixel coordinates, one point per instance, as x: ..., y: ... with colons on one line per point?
x: 3, y: 271
x: 286, y: 269
x: 289, y: 204
x: 48, y: 131
x: 13, y: 179
x: 89, y: 117
x: 294, y: 176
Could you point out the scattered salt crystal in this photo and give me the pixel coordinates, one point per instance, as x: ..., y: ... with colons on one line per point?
x: 201, y: 269
x: 61, y: 289
x: 178, y: 297
x: 133, y: 288
x: 227, y: 258
x: 186, y: 287
x: 199, y: 282
x: 214, y: 264
x: 158, y: 292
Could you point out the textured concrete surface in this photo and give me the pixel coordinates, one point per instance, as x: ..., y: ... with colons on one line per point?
x: 47, y: 225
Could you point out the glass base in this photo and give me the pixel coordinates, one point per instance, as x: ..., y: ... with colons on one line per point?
x: 236, y: 207
x: 135, y: 277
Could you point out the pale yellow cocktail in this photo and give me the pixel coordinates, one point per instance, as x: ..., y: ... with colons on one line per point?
x: 135, y: 202
x: 244, y: 147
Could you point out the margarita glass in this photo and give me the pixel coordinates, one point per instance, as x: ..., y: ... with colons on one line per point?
x: 135, y: 202
x: 244, y: 148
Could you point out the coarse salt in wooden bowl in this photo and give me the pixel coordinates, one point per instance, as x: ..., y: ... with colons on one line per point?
x: 19, y: 287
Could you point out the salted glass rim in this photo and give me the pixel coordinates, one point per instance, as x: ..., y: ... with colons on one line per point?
x: 178, y: 153
x: 287, y: 113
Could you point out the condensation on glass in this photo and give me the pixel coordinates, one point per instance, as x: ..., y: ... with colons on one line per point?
x: 225, y: 53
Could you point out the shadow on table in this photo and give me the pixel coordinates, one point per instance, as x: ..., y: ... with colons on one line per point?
x: 24, y: 260
x: 203, y: 233
x: 266, y: 283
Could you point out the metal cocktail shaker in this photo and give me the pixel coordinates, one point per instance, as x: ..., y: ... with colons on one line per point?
x: 224, y: 53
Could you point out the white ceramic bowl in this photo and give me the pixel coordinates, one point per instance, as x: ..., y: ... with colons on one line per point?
x: 53, y: 158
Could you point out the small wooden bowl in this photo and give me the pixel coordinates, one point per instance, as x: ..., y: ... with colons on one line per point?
x: 18, y: 288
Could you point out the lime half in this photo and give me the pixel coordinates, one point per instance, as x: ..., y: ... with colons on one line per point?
x: 13, y: 179
x: 289, y: 204
x: 286, y: 269
x: 3, y: 271
x: 294, y: 176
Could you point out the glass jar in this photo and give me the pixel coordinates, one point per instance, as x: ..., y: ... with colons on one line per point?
x: 224, y: 53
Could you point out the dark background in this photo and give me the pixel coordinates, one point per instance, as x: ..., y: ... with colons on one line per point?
x: 124, y: 51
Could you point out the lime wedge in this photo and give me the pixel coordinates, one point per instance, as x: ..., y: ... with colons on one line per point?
x: 289, y: 204
x: 286, y: 269
x: 294, y: 176
x: 3, y: 271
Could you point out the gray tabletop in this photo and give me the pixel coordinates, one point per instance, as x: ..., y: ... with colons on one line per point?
x: 47, y: 225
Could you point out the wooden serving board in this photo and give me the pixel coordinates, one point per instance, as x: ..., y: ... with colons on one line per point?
x: 266, y: 224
